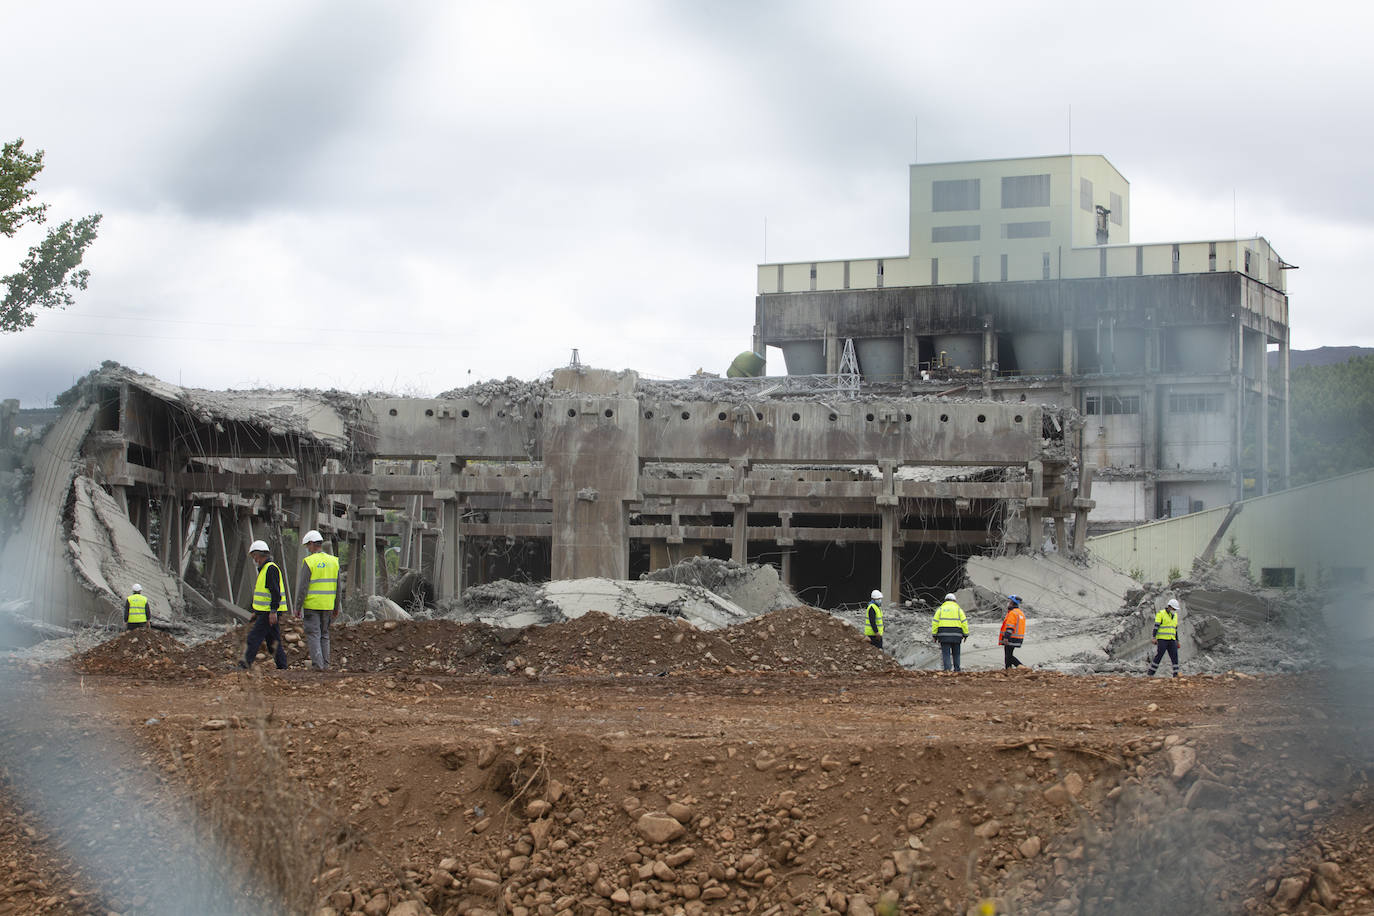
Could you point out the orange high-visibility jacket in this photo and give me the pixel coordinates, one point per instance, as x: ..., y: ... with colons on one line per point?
x: 1013, y: 628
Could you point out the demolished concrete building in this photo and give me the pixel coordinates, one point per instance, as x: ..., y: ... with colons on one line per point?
x: 1022, y: 283
x: 587, y: 474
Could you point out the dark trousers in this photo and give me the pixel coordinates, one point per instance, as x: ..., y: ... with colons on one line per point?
x: 260, y: 630
x: 1009, y: 655
x: 134, y: 626
x: 949, y: 651
x: 876, y: 639
x: 1162, y: 646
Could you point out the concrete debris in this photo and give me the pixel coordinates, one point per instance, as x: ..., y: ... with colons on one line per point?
x: 754, y: 588
x: 379, y: 608
x: 509, y: 604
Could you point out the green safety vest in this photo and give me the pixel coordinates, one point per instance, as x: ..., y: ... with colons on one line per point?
x: 324, y: 581
x: 262, y: 598
x: 138, y: 608
x: 877, y: 617
x: 1166, y: 625
x: 949, y: 617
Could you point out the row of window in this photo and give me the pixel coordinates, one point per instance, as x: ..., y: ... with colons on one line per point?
x: 1112, y: 404
x: 1017, y: 191
x: 1035, y: 230
x: 967, y: 193
x: 1085, y: 201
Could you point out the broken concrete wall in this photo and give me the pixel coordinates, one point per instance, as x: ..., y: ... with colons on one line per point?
x: 109, y: 555
x: 35, y: 574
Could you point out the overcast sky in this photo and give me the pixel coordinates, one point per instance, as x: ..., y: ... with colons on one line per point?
x: 413, y: 196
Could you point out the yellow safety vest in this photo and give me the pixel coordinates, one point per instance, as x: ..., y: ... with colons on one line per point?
x: 138, y: 608
x: 949, y: 617
x: 877, y: 617
x: 1166, y: 625
x: 324, y: 581
x: 262, y: 598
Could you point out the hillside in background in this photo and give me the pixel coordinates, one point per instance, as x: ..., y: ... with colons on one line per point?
x: 1321, y: 356
x: 1332, y: 410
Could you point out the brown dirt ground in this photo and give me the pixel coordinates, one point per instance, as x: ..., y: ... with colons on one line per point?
x: 524, y: 772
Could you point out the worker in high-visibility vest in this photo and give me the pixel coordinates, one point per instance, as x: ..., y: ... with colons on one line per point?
x: 269, y: 603
x: 317, y: 590
x: 1013, y: 632
x: 136, y: 610
x: 949, y: 628
x: 1165, y: 636
x: 873, y: 619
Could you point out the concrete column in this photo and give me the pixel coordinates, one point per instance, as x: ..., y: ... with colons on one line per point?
x: 1036, y: 504
x: 911, y: 355
x: 1262, y: 446
x: 786, y: 572
x: 888, y: 569
x: 1238, y: 384
x: 592, y: 458
x: 9, y: 412
x: 371, y: 552
x: 739, y: 498
x: 1081, y: 504
x: 989, y: 355
x: 739, y: 535
x: 1284, y: 440
x: 448, y: 546
x: 833, y: 348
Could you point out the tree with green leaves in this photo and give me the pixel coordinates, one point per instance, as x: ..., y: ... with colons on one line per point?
x: 52, y: 269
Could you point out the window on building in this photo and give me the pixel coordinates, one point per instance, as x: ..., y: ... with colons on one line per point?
x: 1045, y: 265
x: 976, y: 265
x: 1085, y: 195
x: 1026, y: 191
x: 934, y: 271
x: 1004, y: 268
x: 1278, y: 577
x: 1036, y: 230
x: 1111, y: 404
x: 1196, y: 403
x: 956, y: 233
x: 1212, y: 257
x: 961, y: 194
x: 1117, y: 207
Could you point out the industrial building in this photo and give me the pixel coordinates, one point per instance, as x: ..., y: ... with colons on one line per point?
x: 1022, y: 282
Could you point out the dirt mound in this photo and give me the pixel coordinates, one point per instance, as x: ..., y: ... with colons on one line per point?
x: 133, y: 652
x: 805, y: 638
x: 436, y: 646
x: 598, y: 643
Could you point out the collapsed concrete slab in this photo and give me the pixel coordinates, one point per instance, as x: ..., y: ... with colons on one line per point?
x: 514, y: 605
x: 109, y: 555
x: 1051, y: 584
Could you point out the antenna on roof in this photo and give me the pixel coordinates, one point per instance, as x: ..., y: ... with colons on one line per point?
x: 576, y: 361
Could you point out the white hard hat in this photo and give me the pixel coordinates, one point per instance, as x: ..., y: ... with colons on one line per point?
x: 137, y: 587
x: 877, y: 595
x: 312, y: 537
x: 1173, y: 603
x: 258, y: 546
x: 950, y: 597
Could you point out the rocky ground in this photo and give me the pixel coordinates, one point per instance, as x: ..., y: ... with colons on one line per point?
x: 605, y: 766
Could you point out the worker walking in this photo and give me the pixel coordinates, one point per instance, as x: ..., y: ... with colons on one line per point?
x: 949, y: 628
x: 1013, y: 632
x: 136, y: 610
x: 269, y: 600
x: 317, y: 589
x: 1165, y: 636
x: 873, y: 620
